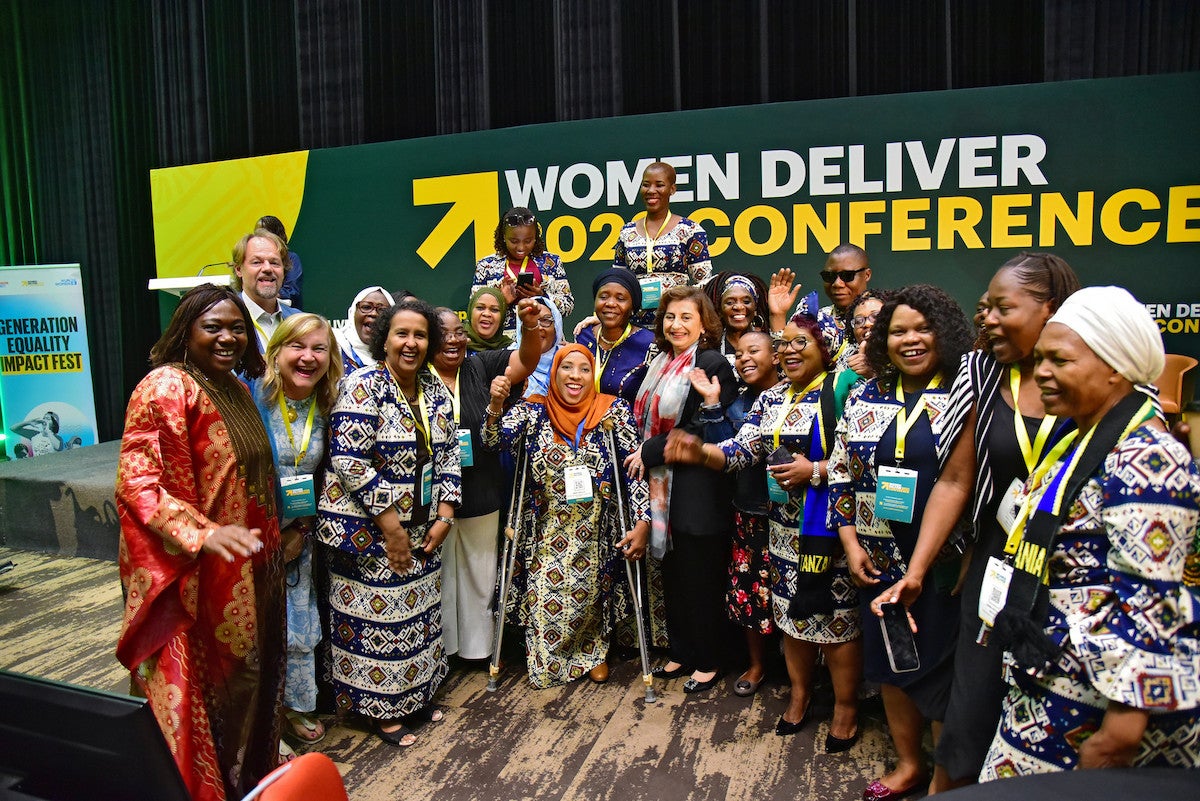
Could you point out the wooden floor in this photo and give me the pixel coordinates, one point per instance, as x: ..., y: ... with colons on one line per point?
x: 59, y: 618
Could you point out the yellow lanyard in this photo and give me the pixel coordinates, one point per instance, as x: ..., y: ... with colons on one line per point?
x: 262, y: 333
x: 508, y: 267
x: 791, y: 401
x: 420, y: 404
x: 602, y: 355
x: 903, y: 421
x: 1031, y: 455
x: 455, y: 401
x: 308, y: 427
x: 1039, y: 475
x: 651, y: 242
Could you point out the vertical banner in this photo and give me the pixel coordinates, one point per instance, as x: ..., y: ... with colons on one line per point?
x: 45, y: 370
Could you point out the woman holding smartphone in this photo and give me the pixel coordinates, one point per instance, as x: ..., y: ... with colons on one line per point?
x: 889, y: 452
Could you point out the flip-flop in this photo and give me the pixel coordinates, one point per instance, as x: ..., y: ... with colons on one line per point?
x: 307, y: 730
x: 286, y: 754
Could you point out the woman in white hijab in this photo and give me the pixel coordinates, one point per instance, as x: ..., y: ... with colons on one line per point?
x: 1101, y: 622
x: 353, y: 334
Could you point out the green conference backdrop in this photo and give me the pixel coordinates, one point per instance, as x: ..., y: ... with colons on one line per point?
x: 939, y: 187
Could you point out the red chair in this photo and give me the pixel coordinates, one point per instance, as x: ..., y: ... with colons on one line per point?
x: 309, y: 776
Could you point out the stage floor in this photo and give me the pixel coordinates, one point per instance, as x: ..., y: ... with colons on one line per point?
x: 60, y: 617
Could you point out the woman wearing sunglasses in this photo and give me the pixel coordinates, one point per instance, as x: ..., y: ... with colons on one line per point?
x: 521, y: 267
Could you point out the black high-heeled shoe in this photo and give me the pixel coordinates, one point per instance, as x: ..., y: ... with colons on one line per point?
x: 785, y: 728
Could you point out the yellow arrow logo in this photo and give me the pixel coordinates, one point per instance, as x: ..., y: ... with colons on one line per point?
x: 475, y: 198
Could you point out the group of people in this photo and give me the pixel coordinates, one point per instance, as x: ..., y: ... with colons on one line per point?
x: 990, y: 522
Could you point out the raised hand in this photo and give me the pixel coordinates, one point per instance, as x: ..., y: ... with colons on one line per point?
x: 781, y: 294
x: 709, y: 388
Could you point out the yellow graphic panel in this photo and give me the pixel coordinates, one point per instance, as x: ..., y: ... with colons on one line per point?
x: 474, y: 198
x: 201, y: 210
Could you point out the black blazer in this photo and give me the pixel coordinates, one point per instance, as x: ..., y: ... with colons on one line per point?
x: 701, y: 499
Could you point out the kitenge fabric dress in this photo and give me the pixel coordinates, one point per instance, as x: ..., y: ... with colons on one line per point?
x: 569, y: 589
x: 680, y: 257
x: 388, y: 658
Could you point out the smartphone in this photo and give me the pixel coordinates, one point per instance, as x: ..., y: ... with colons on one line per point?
x: 780, y: 455
x: 525, y: 279
x: 898, y: 639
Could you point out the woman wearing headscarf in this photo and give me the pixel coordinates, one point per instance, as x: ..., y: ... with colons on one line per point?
x: 996, y: 398
x: 620, y: 348
x: 1101, y: 621
x: 486, y: 311
x: 538, y: 382
x: 571, y: 591
x: 740, y: 301
x: 354, y: 335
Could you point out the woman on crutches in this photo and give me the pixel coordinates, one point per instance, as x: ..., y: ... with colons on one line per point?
x: 570, y: 590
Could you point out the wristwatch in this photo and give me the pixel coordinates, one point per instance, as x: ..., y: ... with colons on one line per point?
x: 449, y: 521
x: 816, y: 476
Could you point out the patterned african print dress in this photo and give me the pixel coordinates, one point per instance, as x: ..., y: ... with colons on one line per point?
x: 866, y: 441
x: 203, y: 637
x: 1125, y: 608
x: 782, y: 417
x: 386, y: 628
x: 569, y: 590
x: 680, y: 258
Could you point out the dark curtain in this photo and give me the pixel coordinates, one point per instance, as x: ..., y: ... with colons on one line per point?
x: 96, y: 93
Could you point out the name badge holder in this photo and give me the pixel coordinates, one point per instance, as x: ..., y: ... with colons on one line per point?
x: 578, y: 480
x: 466, y: 453
x: 993, y: 593
x: 651, y: 291
x: 776, y: 492
x: 895, y: 494
x: 299, y: 496
x: 426, y: 484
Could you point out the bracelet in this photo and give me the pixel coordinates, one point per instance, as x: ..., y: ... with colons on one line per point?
x: 710, y: 407
x: 488, y: 411
x: 449, y: 521
x: 528, y: 330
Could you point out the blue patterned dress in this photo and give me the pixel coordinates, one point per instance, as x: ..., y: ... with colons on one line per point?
x: 303, y: 622
x: 570, y: 588
x: 1125, y: 607
x: 798, y: 423
x: 386, y: 628
x: 866, y: 440
x: 680, y: 258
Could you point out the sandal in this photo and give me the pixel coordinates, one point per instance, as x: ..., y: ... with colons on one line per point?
x: 286, y: 754
x: 426, y: 714
x: 402, y: 737
x: 307, y: 730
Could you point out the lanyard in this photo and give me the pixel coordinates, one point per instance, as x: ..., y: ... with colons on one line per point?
x: 651, y: 242
x: 1058, y: 485
x: 420, y: 404
x: 578, y: 435
x: 1031, y: 454
x: 455, y: 400
x: 308, y: 427
x: 261, y: 333
x: 508, y: 267
x: 903, y: 421
x: 792, y: 400
x: 602, y: 355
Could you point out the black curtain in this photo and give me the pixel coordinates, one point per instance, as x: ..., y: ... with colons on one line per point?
x: 96, y: 93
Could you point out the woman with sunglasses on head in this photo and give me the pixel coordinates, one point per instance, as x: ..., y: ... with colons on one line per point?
x: 1100, y: 621
x: 469, y: 552
x: 662, y: 249
x: 295, y: 398
x: 814, y: 603
x: 892, y: 446
x: 521, y: 267
x: 200, y: 560
x: 571, y: 589
x: 740, y: 300
x: 354, y: 334
x: 620, y: 348
x: 996, y: 399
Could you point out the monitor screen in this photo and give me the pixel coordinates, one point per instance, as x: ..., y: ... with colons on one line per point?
x: 59, y: 742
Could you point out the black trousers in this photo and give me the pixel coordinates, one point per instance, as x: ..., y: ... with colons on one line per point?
x: 694, y: 575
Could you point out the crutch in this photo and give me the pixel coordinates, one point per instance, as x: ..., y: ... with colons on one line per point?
x: 633, y: 570
x: 516, y: 508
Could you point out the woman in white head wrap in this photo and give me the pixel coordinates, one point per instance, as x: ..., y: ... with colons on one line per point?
x: 1101, y: 617
x: 353, y: 335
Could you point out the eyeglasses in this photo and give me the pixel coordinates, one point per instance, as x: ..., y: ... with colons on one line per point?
x: 513, y: 220
x: 798, y: 344
x: 371, y: 308
x: 829, y: 276
x: 859, y: 322
x: 545, y: 322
